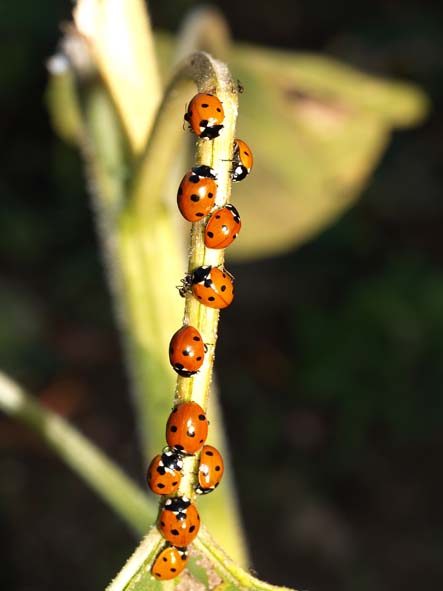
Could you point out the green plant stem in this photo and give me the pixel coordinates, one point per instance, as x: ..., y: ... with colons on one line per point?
x: 143, y: 256
x: 84, y: 458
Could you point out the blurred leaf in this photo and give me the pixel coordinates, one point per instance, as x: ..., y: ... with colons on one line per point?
x: 120, y: 40
x: 317, y: 129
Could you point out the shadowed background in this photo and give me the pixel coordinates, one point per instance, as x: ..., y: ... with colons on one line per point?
x: 329, y: 363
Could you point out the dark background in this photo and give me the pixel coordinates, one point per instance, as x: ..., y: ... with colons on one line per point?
x: 331, y: 378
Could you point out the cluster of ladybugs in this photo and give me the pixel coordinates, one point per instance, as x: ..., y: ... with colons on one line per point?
x: 187, y: 425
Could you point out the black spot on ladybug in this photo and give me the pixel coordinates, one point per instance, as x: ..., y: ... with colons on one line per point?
x: 210, y: 234
x: 191, y: 529
x: 194, y: 178
x: 160, y: 485
x: 218, y: 110
x: 205, y: 105
x: 175, y: 532
x: 196, y: 338
x: 202, y: 417
x: 209, y: 453
x: 217, y: 217
x: 174, y: 428
x: 210, y: 195
x: 173, y: 570
x: 198, y: 358
x: 199, y: 297
x: 161, y: 470
x: 217, y: 468
x: 200, y: 214
x: 195, y: 198
x: 175, y: 483
x: 184, y: 557
x: 186, y: 352
x: 223, y: 288
x: 211, y: 298
x: 162, y: 523
x: 165, y: 559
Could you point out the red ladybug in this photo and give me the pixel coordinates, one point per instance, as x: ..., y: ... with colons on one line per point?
x: 179, y: 521
x: 196, y: 193
x: 205, y: 116
x: 186, y: 351
x: 169, y: 563
x: 210, y: 470
x: 211, y: 286
x: 223, y: 227
x: 187, y: 428
x: 164, y: 473
x: 242, y: 160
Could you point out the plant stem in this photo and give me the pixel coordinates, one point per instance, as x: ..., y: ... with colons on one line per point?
x: 81, y: 455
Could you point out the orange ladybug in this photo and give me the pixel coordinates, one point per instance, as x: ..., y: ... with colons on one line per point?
x: 187, y: 428
x: 212, y: 286
x: 196, y: 193
x: 205, y: 116
x: 164, y: 473
x: 210, y: 470
x: 186, y: 351
x: 242, y: 160
x: 223, y: 227
x: 179, y: 521
x: 169, y: 563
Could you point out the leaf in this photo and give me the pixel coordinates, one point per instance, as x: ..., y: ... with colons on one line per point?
x: 317, y: 129
x: 208, y: 568
x: 119, y: 37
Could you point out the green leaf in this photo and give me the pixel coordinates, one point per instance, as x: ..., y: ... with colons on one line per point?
x: 317, y: 129
x: 208, y: 568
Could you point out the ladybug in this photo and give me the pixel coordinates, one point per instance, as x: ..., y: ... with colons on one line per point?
x: 169, y: 563
x: 223, y: 227
x: 179, y: 521
x: 196, y: 193
x: 186, y: 351
x: 211, y: 286
x: 164, y: 473
x: 205, y: 116
x: 210, y: 470
x: 187, y: 428
x: 242, y: 160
